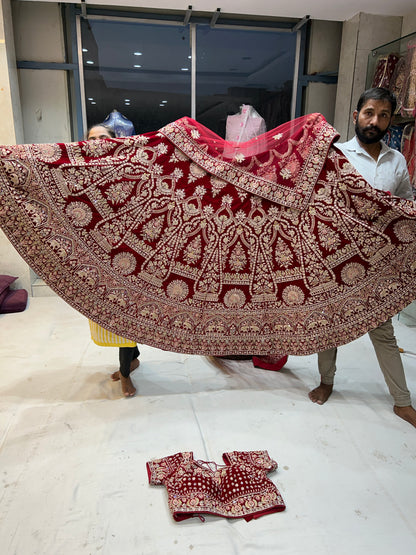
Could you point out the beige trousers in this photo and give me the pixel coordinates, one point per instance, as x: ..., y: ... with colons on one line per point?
x: 389, y: 359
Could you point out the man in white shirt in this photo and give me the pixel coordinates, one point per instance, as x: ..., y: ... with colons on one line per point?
x: 384, y: 169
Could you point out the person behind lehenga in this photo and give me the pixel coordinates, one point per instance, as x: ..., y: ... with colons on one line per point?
x: 384, y: 169
x: 128, y: 350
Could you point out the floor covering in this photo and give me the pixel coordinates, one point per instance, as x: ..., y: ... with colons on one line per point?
x: 73, y: 451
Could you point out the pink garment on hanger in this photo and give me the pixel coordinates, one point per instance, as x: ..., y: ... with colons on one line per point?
x: 243, y: 127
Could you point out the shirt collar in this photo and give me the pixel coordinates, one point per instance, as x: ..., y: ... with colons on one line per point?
x: 354, y: 146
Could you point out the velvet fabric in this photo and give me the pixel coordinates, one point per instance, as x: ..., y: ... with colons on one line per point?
x: 185, y: 242
x: 238, y: 489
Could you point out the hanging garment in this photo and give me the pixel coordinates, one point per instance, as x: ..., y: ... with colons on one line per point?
x: 397, y: 82
x: 393, y: 137
x: 408, y: 148
x: 384, y: 70
x: 245, y: 125
x: 408, y: 96
x: 238, y: 489
x: 161, y: 239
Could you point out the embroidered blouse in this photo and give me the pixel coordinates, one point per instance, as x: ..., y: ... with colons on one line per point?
x: 240, y: 488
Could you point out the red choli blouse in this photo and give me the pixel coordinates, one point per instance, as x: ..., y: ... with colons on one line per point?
x: 240, y: 488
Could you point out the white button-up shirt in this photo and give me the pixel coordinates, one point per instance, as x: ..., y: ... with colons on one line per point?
x: 388, y: 173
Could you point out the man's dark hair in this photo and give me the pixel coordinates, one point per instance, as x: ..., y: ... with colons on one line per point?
x: 378, y: 93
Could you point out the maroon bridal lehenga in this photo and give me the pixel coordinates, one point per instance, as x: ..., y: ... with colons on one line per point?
x: 186, y: 242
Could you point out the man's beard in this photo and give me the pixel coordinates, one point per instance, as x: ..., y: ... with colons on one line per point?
x: 369, y: 139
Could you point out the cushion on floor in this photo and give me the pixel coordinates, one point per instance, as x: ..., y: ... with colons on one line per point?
x: 11, y: 300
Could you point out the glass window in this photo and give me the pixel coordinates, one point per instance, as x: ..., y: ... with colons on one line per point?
x: 141, y: 70
x: 144, y: 71
x: 236, y: 67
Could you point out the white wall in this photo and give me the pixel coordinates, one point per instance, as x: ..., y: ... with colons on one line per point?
x: 30, y: 32
x: 10, y: 121
x: 409, y: 24
x: 44, y: 93
x: 11, y: 132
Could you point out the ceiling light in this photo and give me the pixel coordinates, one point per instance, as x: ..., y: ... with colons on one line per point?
x: 85, y: 50
x: 90, y: 62
x: 93, y: 103
x: 136, y: 65
x: 137, y: 53
x: 184, y: 69
x: 90, y: 98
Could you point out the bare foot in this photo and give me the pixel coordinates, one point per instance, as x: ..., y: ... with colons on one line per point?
x: 321, y: 394
x: 115, y: 376
x: 135, y: 363
x: 407, y: 413
x: 127, y: 386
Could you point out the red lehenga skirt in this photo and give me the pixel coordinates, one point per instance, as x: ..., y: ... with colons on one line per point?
x: 182, y: 241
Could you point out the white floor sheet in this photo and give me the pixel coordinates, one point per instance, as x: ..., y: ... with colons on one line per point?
x: 73, y: 451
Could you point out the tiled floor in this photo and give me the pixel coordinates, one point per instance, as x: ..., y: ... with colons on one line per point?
x: 73, y: 451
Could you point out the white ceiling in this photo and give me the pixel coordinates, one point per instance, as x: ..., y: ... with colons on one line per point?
x: 335, y: 10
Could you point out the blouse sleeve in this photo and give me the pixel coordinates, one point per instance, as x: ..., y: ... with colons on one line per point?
x: 158, y: 470
x: 259, y: 459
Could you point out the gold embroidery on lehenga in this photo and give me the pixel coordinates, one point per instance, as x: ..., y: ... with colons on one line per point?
x: 165, y: 239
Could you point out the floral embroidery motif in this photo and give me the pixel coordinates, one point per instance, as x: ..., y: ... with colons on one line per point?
x: 119, y: 192
x: 192, y: 253
x: 238, y: 258
x: 293, y: 295
x: 283, y: 254
x: 196, y: 172
x: 328, y: 237
x: 163, y: 239
x: 125, y: 262
x: 80, y: 213
x: 238, y: 489
x: 404, y: 231
x: 48, y: 152
x: 234, y: 298
x: 352, y: 273
x: 177, y: 289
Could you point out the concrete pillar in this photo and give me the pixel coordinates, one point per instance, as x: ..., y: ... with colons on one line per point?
x: 324, y: 47
x: 361, y: 34
x: 11, y: 132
